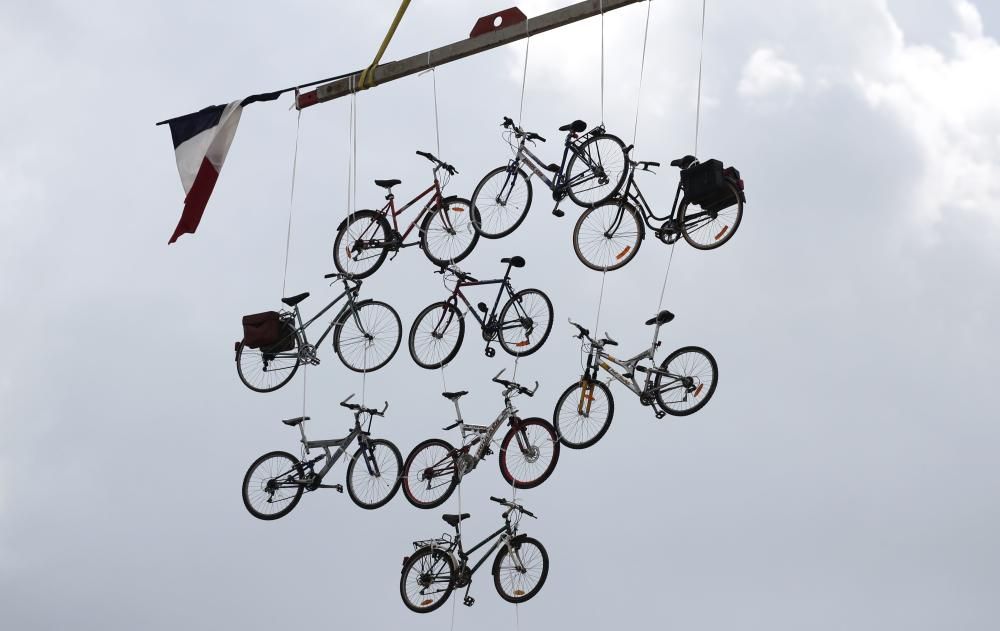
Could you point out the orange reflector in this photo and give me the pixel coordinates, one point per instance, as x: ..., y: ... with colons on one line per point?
x: 519, y: 592
x: 622, y: 254
x: 524, y: 343
x: 724, y: 230
x: 457, y: 209
x: 426, y: 602
x: 697, y: 390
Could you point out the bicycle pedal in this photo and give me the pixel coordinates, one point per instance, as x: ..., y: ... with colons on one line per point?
x: 558, y: 213
x: 660, y: 413
x: 469, y: 601
x: 490, y: 351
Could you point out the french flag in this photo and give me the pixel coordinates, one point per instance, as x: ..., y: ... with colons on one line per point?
x: 201, y: 142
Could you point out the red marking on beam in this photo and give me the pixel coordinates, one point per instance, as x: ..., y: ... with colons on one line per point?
x: 307, y: 98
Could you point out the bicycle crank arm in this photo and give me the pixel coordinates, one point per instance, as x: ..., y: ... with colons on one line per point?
x: 337, y: 487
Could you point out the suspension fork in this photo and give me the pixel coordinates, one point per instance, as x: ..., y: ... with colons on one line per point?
x: 368, y: 453
x: 587, y: 387
x: 448, y: 314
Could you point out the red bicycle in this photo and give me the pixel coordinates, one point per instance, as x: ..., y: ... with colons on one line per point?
x: 447, y: 228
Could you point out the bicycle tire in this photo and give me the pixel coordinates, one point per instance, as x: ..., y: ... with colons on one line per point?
x: 670, y: 407
x: 345, y: 319
x: 342, y: 263
x: 437, y: 556
x: 620, y: 250
x: 545, y: 434
x: 523, y: 544
x: 445, y: 356
x: 292, y: 502
x: 575, y: 191
x: 457, y: 206
x: 720, y: 236
x: 488, y: 231
x: 410, y: 482
x: 519, y: 344
x: 255, y: 356
x: 567, y: 435
x: 395, y: 475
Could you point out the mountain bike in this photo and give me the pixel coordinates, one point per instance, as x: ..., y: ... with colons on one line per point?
x: 365, y: 237
x: 366, y: 335
x: 275, y: 482
x: 608, y: 236
x: 592, y: 171
x: 437, y: 566
x: 522, y: 326
x: 528, y: 452
x: 682, y: 384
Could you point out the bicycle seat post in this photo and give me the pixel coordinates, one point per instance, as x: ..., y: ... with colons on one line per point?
x: 302, y: 432
x: 458, y: 411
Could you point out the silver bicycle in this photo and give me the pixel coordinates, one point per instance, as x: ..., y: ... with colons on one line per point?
x: 682, y: 384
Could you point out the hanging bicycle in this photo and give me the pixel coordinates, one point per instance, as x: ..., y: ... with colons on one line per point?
x: 528, y: 452
x: 522, y: 326
x: 275, y: 482
x: 592, y: 170
x: 438, y: 566
x: 608, y: 236
x: 366, y: 335
x: 682, y: 384
x: 365, y: 238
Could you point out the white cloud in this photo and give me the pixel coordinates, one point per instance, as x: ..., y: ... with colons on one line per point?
x: 766, y: 74
x: 948, y: 102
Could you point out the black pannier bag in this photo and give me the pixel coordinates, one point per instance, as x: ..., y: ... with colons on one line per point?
x: 286, y: 340
x: 707, y: 185
x: 261, y: 329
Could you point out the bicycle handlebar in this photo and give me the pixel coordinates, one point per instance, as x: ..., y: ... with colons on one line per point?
x: 515, y: 386
x: 512, y: 505
x: 583, y: 333
x: 441, y: 163
x: 360, y: 408
x: 520, y: 133
x: 457, y: 272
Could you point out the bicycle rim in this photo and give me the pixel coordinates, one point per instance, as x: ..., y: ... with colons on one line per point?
x: 607, y: 236
x: 368, y: 338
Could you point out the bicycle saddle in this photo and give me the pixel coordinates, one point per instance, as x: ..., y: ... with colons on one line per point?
x: 454, y: 396
x: 294, y: 300
x: 576, y: 126
x: 661, y: 318
x: 684, y: 162
x: 454, y: 519
x: 515, y: 261
x: 292, y: 422
x: 387, y: 183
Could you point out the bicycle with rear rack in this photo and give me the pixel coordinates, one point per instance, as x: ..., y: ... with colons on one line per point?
x: 365, y: 238
x: 521, y: 326
x: 366, y: 336
x: 439, y: 566
x: 592, y: 170
x: 528, y: 452
x: 681, y: 385
x: 608, y: 235
x: 275, y: 482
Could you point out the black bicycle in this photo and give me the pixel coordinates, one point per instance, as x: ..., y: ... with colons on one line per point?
x: 522, y: 326
x: 438, y: 566
x: 275, y: 482
x: 366, y: 335
x: 592, y: 171
x: 608, y: 236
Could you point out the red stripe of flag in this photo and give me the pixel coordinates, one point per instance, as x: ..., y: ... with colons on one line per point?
x: 196, y: 199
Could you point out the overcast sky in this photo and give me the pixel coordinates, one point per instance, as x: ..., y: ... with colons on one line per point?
x: 843, y: 477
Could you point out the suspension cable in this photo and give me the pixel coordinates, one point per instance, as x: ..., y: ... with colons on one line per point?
x: 602, y: 62
x: 291, y: 197
x: 524, y: 73
x: 701, y: 57
x: 642, y: 68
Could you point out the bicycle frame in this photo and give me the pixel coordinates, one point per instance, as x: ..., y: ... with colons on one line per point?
x: 599, y: 359
x: 668, y: 223
x: 390, y: 209
x: 558, y: 183
x: 357, y: 434
x: 483, y: 320
x: 350, y: 292
x: 484, y: 433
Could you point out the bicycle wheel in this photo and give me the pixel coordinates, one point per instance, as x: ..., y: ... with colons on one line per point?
x: 359, y: 248
x: 371, y: 489
x: 707, y: 230
x: 519, y: 579
x: 367, y: 338
x: 692, y: 375
x: 265, y: 372
x: 272, y: 485
x: 436, y: 335
x: 501, y: 200
x: 525, y: 322
x: 447, y: 234
x: 529, y: 453
x: 430, y: 474
x: 427, y: 580
x: 608, y: 236
x: 597, y: 171
x: 583, y: 414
